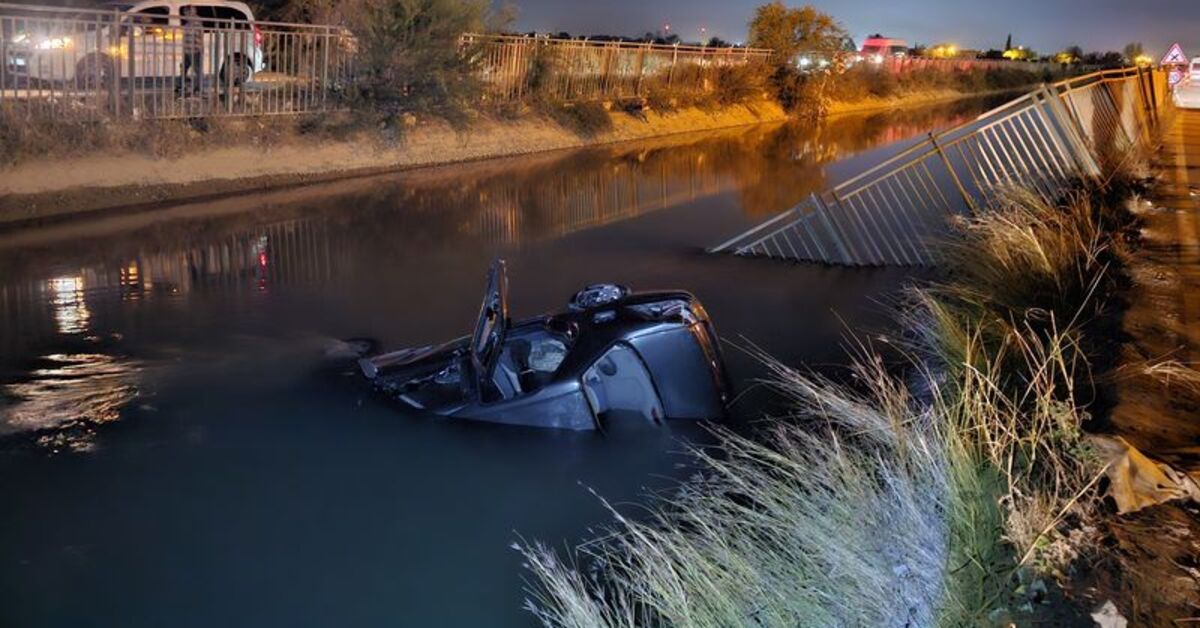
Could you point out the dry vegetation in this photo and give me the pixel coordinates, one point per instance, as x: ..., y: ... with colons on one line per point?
x: 413, y: 66
x: 942, y: 494
x: 26, y: 135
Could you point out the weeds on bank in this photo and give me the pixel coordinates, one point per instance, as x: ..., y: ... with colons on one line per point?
x: 865, y: 81
x: 29, y: 134
x: 587, y: 119
x: 936, y: 496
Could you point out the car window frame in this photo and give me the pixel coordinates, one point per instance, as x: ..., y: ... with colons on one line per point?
x: 239, y: 23
x: 132, y: 15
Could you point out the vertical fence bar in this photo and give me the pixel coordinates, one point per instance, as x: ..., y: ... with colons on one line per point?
x: 962, y: 191
x: 132, y: 68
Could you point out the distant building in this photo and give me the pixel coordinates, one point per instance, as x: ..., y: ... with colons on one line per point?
x: 878, y: 45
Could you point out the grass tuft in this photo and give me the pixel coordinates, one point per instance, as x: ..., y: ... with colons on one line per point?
x: 933, y: 495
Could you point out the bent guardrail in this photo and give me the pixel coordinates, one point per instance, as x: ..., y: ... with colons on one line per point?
x: 892, y: 213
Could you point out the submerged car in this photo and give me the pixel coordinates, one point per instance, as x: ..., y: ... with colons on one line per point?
x: 614, y: 355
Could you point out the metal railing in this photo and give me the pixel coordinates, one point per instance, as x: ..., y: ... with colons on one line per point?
x: 579, y: 69
x: 893, y: 213
x: 910, y: 64
x: 95, y: 63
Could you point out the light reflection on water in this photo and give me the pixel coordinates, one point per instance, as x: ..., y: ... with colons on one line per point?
x: 316, y: 235
x: 70, y: 312
x: 67, y: 397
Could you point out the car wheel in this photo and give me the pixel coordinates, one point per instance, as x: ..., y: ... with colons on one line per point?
x: 94, y: 72
x: 235, y: 71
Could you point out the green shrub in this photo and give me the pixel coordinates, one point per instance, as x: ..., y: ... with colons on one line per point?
x: 411, y: 57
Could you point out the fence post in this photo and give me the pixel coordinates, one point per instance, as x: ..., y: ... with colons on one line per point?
x: 1151, y: 96
x: 1142, y: 95
x: 641, y: 68
x: 671, y: 72
x: 131, y: 69
x: 1074, y: 135
x: 953, y: 175
x: 113, y: 41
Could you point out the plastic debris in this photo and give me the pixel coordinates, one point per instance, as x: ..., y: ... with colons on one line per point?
x: 1137, y: 481
x: 1107, y: 616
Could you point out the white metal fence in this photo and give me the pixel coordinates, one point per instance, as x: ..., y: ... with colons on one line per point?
x: 894, y: 213
x: 136, y: 63
x: 111, y: 62
x: 577, y: 69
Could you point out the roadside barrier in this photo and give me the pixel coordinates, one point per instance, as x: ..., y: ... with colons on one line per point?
x: 893, y: 213
x: 91, y: 63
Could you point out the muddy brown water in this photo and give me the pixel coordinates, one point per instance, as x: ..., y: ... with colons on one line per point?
x: 175, y: 450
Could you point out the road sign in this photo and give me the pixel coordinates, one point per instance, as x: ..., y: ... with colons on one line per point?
x: 1175, y: 77
x: 1174, y: 56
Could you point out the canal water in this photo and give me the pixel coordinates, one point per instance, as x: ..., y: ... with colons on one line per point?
x: 177, y: 449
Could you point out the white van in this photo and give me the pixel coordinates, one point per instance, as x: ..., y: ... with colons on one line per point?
x: 85, y: 45
x: 1187, y: 92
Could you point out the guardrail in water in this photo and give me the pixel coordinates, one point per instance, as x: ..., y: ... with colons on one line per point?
x: 893, y: 213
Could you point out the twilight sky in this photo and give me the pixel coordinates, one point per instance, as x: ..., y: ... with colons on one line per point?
x: 1045, y: 25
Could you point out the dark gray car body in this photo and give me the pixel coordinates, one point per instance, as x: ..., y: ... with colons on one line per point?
x: 651, y: 355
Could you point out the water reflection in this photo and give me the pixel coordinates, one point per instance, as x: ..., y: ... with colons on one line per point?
x: 238, y: 465
x: 82, y: 278
x: 66, y: 297
x: 67, y: 396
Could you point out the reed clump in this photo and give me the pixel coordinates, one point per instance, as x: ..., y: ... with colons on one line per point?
x: 938, y: 493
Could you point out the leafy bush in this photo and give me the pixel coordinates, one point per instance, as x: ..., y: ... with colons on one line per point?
x: 412, y: 58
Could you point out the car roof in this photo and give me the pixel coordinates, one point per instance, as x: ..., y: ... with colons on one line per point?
x: 128, y: 6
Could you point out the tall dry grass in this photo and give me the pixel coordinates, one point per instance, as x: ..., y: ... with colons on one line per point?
x: 834, y: 519
x: 930, y: 496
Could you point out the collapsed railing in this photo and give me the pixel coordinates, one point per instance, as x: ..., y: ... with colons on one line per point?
x: 893, y: 214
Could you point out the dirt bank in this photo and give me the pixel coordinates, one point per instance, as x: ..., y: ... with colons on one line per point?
x: 1151, y: 566
x: 65, y: 186
x: 58, y: 187
x: 915, y: 99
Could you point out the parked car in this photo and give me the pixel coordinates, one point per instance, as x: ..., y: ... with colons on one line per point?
x: 614, y: 355
x: 85, y: 45
x: 1187, y: 92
